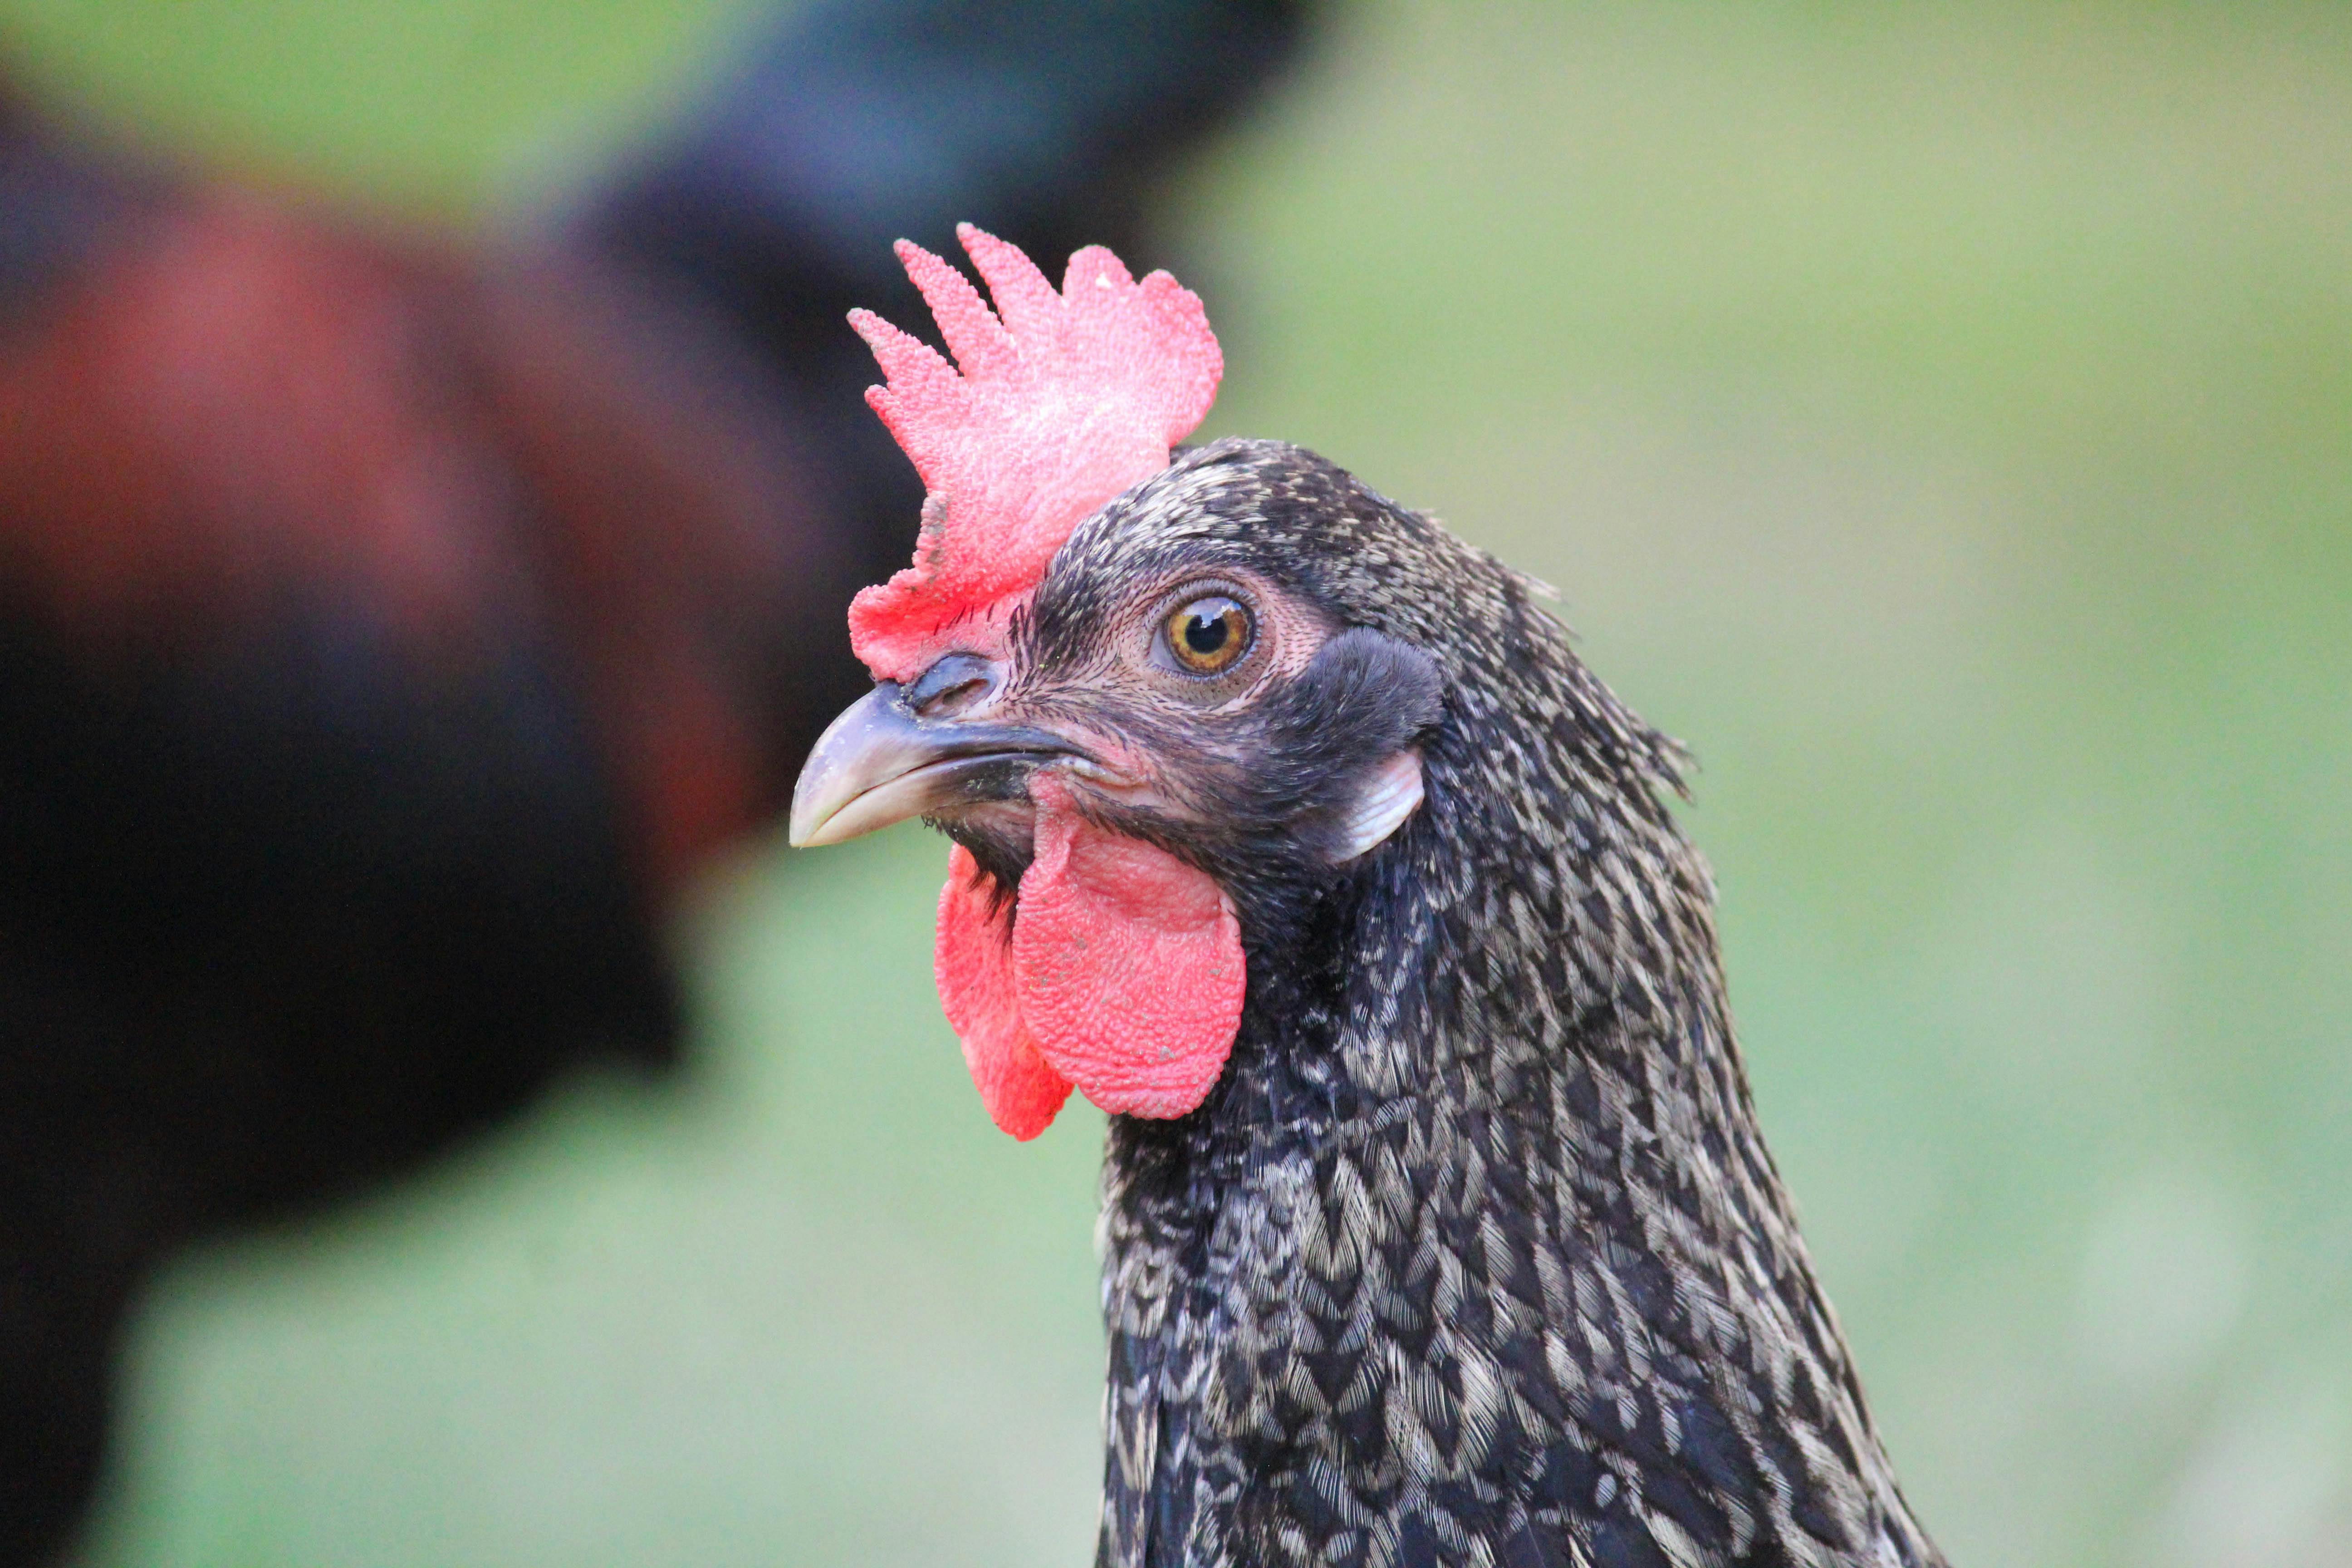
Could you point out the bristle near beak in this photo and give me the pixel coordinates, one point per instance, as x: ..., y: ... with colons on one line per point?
x: 879, y: 764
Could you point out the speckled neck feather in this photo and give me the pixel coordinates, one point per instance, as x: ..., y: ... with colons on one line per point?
x: 1475, y: 1254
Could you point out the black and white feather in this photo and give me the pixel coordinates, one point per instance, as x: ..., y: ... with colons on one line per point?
x: 1476, y: 1255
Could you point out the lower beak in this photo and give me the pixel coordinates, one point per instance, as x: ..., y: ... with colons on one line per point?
x: 878, y: 763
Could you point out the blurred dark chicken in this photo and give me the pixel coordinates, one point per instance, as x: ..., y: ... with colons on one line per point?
x: 388, y: 632
x: 1438, y: 1226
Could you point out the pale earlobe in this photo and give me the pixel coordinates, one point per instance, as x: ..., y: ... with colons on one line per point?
x: 1389, y: 793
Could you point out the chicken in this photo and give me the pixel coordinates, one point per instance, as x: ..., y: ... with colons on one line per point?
x: 1438, y: 1226
x: 386, y: 636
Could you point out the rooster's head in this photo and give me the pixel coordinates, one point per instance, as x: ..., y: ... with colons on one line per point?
x: 1139, y: 697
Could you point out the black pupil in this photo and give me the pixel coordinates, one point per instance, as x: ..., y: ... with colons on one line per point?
x: 1207, y: 633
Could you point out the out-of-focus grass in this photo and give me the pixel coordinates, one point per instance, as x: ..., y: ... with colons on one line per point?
x: 1941, y: 417
x: 428, y: 106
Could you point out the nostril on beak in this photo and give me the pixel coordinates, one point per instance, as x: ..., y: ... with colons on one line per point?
x: 954, y: 700
x: 954, y: 685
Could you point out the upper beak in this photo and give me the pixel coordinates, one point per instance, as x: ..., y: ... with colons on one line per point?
x: 878, y: 763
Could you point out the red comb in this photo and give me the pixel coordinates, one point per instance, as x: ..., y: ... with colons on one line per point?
x: 1057, y: 401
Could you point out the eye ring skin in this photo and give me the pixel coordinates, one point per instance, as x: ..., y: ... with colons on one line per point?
x: 1288, y: 629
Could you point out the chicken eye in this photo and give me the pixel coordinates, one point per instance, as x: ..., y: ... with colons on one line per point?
x: 1209, y: 634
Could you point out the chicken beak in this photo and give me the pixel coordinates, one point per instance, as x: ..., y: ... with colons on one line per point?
x: 878, y: 763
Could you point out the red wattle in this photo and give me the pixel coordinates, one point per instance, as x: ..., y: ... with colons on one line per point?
x: 973, y: 962
x: 1128, y: 964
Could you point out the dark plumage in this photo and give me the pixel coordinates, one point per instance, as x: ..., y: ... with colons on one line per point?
x: 381, y: 648
x: 1475, y: 1253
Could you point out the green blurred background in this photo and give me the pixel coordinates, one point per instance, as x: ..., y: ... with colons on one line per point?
x: 1941, y: 416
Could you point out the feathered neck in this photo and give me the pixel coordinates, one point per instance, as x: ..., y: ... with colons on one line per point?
x: 1479, y: 1235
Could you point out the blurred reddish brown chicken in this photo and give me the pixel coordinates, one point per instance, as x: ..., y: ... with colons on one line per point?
x: 383, y: 638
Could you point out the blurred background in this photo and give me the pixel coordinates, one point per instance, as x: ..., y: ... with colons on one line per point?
x: 1940, y: 417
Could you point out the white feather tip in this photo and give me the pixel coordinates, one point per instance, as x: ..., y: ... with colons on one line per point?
x: 1390, y: 793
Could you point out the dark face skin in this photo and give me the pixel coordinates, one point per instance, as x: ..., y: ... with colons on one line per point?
x: 1188, y: 690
